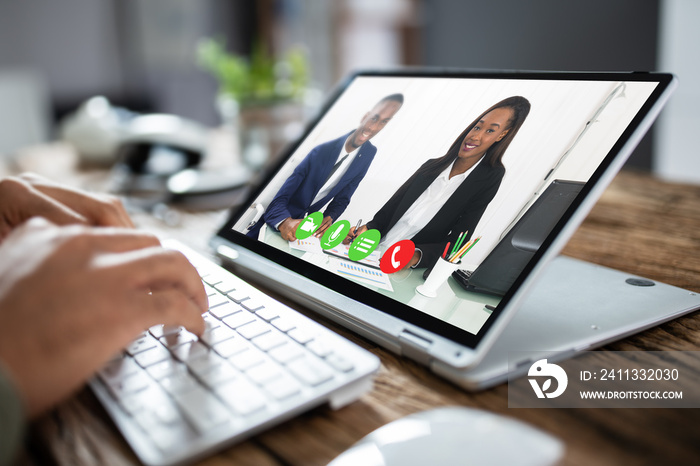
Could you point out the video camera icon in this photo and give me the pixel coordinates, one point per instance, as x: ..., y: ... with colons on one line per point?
x: 309, y: 225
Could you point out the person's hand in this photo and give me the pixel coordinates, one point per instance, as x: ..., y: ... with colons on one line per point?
x: 354, y: 233
x: 71, y: 297
x: 288, y: 228
x: 26, y: 196
x: 414, y: 260
x: 327, y: 221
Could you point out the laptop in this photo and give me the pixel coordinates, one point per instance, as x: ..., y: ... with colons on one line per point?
x: 408, y: 184
x: 580, y: 129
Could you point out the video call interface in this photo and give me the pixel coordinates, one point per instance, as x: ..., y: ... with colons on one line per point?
x: 436, y: 192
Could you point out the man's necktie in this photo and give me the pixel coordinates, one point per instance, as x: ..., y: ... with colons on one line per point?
x: 335, y: 168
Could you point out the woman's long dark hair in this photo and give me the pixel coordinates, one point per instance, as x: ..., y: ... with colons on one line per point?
x: 521, y: 108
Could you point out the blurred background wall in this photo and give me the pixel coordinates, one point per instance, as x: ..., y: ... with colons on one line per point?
x: 141, y: 54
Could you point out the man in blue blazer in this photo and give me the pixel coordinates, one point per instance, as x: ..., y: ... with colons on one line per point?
x: 329, y: 174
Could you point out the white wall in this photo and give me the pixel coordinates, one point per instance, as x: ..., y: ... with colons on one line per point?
x: 677, y: 156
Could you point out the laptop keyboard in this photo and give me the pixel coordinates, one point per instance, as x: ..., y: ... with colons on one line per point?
x: 177, y: 397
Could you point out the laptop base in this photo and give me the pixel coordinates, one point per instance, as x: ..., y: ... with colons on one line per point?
x: 575, y: 306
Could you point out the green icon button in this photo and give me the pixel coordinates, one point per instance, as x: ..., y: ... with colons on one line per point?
x: 309, y: 225
x: 364, y: 245
x: 335, y: 234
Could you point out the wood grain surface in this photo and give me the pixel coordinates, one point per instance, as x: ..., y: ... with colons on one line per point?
x: 641, y: 225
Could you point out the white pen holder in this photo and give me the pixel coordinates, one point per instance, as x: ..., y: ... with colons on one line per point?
x: 439, y: 275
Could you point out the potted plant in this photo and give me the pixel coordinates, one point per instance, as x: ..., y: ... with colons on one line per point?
x: 256, y: 95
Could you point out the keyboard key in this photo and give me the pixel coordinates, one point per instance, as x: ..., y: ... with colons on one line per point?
x: 267, y: 313
x: 217, y: 300
x: 203, y: 410
x: 166, y: 368
x: 241, y: 395
x: 212, y: 278
x: 217, y: 335
x: 285, y: 354
x: 246, y: 359
x: 119, y: 369
x: 284, y: 324
x: 159, y: 331
x: 179, y: 383
x: 269, y: 340
x: 206, y: 364
x: 140, y: 401
x: 301, y: 335
x: 252, y: 304
x: 129, y: 385
x: 264, y: 372
x: 319, y: 347
x: 190, y: 351
x: 225, y: 310
x: 142, y: 343
x: 219, y: 375
x: 238, y: 295
x: 231, y: 346
x: 253, y: 329
x: 210, y: 322
x: 310, y: 371
x: 283, y: 387
x: 227, y: 285
x: 152, y: 356
x: 177, y: 339
x: 239, y: 319
x: 340, y: 363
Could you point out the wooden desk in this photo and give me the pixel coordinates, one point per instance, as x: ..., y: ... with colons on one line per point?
x: 641, y: 225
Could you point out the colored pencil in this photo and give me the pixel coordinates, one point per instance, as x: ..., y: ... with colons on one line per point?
x: 463, y: 237
x: 446, y: 248
x: 463, y: 250
x: 471, y: 245
x: 454, y: 256
x: 455, y: 248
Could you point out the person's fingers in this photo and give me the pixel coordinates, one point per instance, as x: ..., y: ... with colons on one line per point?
x: 110, y: 240
x: 287, y: 232
x: 156, y: 269
x: 327, y: 222
x: 320, y: 231
x: 170, y: 307
x: 98, y: 209
x: 350, y: 236
x: 27, y: 202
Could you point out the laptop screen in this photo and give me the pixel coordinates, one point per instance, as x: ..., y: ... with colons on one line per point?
x: 429, y: 196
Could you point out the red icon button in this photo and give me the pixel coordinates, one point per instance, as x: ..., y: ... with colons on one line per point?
x: 397, y: 256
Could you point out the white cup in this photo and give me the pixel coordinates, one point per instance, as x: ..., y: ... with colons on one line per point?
x: 440, y: 273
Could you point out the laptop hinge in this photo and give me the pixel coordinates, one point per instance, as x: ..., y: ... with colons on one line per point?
x: 415, y: 347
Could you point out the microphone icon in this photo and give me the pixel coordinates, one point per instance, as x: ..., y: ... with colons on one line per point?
x: 335, y: 234
x: 333, y: 237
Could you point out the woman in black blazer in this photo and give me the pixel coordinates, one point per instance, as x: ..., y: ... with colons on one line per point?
x: 485, y: 138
